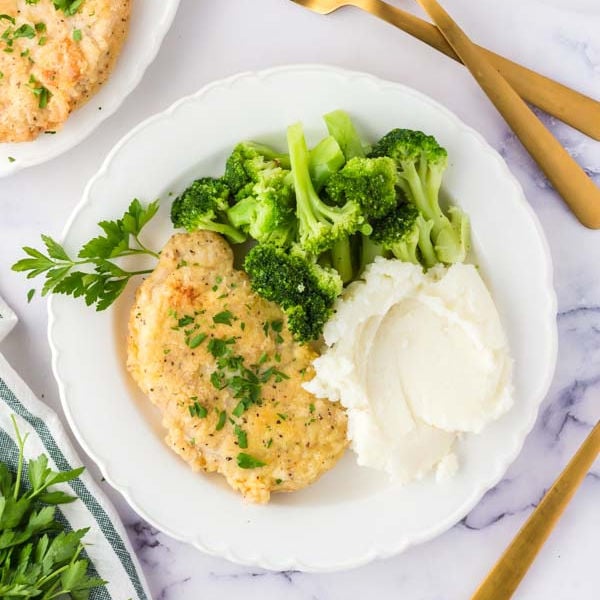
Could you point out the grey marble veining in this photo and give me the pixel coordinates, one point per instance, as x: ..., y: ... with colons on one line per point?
x: 214, y: 39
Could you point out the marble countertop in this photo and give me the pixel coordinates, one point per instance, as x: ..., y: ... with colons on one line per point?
x: 210, y: 40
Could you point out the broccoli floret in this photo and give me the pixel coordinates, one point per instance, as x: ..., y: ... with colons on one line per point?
x: 421, y: 163
x: 320, y: 226
x: 246, y: 163
x: 325, y: 159
x: 267, y: 214
x: 303, y: 289
x: 370, y: 182
x: 341, y: 127
x: 203, y: 205
x: 406, y: 234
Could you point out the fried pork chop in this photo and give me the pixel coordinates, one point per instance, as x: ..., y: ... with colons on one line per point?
x: 52, y: 62
x: 221, y: 365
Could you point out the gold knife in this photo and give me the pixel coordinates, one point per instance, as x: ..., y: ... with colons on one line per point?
x: 508, y: 572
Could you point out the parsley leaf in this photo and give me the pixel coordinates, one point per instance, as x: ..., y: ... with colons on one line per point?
x: 69, y: 7
x: 245, y: 461
x: 224, y: 317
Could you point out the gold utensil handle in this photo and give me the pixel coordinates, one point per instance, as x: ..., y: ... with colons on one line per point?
x: 556, y: 99
x: 567, y: 177
x: 508, y: 572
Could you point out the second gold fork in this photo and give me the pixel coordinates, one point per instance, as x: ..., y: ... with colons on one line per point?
x: 552, y: 97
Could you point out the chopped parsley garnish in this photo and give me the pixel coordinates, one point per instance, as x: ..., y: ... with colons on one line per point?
x: 194, y: 342
x: 40, y: 91
x: 241, y: 437
x: 40, y: 27
x: 69, y: 7
x: 25, y: 31
x: 197, y: 410
x: 311, y: 408
x: 223, y: 318
x: 239, y: 410
x: 7, y: 18
x: 245, y: 461
x: 221, y: 421
x: 278, y: 481
x: 11, y: 159
x: 282, y: 416
x: 187, y: 320
x: 277, y: 326
x: 77, y: 35
x: 218, y: 380
x: 218, y: 347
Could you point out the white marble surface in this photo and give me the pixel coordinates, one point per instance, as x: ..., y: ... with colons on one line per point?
x: 213, y: 39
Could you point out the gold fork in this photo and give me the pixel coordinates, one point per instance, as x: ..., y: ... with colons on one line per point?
x: 556, y: 99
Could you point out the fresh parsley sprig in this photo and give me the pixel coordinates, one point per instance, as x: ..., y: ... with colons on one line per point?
x: 37, y: 558
x: 108, y: 280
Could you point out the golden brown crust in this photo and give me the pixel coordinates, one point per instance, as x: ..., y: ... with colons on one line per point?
x: 296, y: 435
x: 71, y: 70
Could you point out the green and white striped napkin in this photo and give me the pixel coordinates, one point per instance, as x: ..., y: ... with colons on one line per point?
x: 107, y: 546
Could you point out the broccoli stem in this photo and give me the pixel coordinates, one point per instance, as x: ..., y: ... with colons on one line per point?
x: 230, y: 232
x: 306, y: 196
x: 428, y: 256
x: 340, y: 126
x: 341, y: 257
x: 369, y: 251
x: 326, y: 158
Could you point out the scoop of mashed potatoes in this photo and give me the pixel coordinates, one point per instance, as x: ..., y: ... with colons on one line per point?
x: 416, y: 359
x: 52, y: 61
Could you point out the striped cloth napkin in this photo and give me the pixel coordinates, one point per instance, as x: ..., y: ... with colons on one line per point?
x: 107, y: 546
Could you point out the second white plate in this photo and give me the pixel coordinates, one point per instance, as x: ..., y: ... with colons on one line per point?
x: 148, y: 26
x: 352, y: 515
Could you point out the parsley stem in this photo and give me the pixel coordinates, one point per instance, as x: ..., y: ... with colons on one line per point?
x: 52, y: 575
x: 21, y: 443
x: 144, y: 248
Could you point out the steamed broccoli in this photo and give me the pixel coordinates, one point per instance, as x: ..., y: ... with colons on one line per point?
x: 406, y: 234
x: 320, y: 226
x: 341, y: 127
x: 370, y: 182
x: 203, y: 205
x: 421, y: 162
x: 267, y: 213
x: 247, y: 161
x: 304, y: 290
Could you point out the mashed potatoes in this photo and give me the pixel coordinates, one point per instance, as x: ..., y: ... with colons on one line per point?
x: 417, y: 359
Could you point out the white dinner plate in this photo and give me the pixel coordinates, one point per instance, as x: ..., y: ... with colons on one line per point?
x: 352, y: 514
x: 149, y: 23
